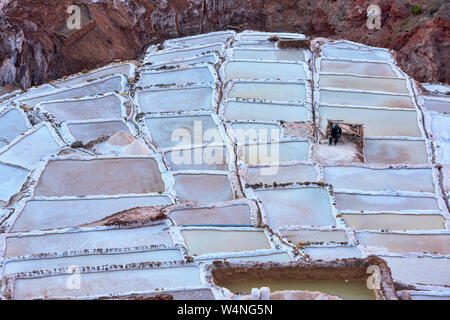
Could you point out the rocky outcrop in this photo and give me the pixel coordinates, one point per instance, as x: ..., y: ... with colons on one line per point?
x: 34, y: 50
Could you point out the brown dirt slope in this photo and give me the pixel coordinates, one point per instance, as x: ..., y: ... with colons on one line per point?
x: 34, y: 47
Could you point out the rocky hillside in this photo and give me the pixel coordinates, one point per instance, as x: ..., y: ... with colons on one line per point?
x: 36, y: 46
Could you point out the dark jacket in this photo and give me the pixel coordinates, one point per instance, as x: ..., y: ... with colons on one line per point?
x: 336, y: 131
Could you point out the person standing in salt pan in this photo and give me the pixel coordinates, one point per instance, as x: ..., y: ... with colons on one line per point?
x: 335, y: 134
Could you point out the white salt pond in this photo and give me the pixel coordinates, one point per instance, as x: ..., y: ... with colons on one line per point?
x: 97, y: 87
x: 123, y: 68
x: 289, y: 92
x: 299, y: 207
x: 199, y: 40
x: 394, y: 222
x: 355, y: 178
x: 422, y: 270
x: 175, y: 99
x: 93, y: 260
x: 12, y: 180
x: 360, y: 202
x: 203, y: 187
x: 203, y: 241
x: 89, y: 131
x: 377, y: 123
x: 204, y: 158
x: 182, y: 54
x: 281, y: 174
x: 440, y: 124
x: 177, y: 76
x: 272, y: 153
x: 404, y: 243
x: 12, y: 124
x: 77, y: 241
x: 311, y: 236
x: 437, y: 105
x: 233, y: 214
x: 246, y: 132
x: 30, y: 149
x: 395, y: 151
x: 268, y: 54
x: 53, y: 214
x: 443, y: 152
x: 209, y: 58
x: 359, y: 99
x: 106, y: 283
x: 363, y: 83
x: 362, y: 54
x: 100, y: 177
x: 243, y: 110
x: 359, y: 68
x: 171, y: 131
x: 332, y: 253
x: 250, y: 70
x: 104, y: 107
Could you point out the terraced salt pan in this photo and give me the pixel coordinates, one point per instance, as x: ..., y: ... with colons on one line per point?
x: 365, y: 99
x: 106, y: 283
x: 177, y: 76
x: 437, y: 105
x: 303, y: 236
x: 272, y: 153
x: 359, y: 68
x: 209, y: 58
x: 164, y: 130
x: 387, y: 204
x: 12, y: 124
x: 262, y: 36
x: 205, y: 158
x: 353, y: 53
x: 104, y: 107
x: 394, y: 222
x: 111, y: 84
x: 443, y: 152
x: 440, y: 124
x: 176, y: 99
x: 182, y: 54
x: 395, y: 151
x: 243, y: 110
x: 250, y: 70
x: 93, y: 260
x: 363, y: 83
x: 28, y: 150
x: 77, y: 241
x: 237, y: 214
x: 332, y: 253
x: 89, y: 131
x: 199, y: 40
x: 377, y: 123
x: 273, y: 257
x: 99, y: 177
x: 203, y: 241
x: 203, y: 187
x: 12, y: 180
x: 354, y: 178
x: 404, y: 243
x: 422, y: 270
x: 246, y: 132
x: 299, y: 207
x: 127, y: 69
x: 289, y: 92
x: 268, y: 54
x: 281, y: 174
x: 53, y: 214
